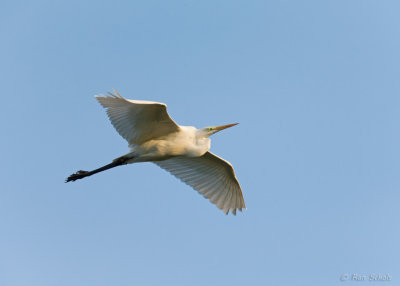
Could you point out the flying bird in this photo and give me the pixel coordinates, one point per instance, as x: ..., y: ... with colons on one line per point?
x: 181, y: 150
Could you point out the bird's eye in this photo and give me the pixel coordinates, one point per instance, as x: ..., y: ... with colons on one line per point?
x: 210, y: 129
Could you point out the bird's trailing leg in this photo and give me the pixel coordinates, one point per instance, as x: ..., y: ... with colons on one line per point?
x: 82, y: 174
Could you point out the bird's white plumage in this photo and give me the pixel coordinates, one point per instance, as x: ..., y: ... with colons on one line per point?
x: 211, y: 176
x: 137, y: 121
x: 156, y: 137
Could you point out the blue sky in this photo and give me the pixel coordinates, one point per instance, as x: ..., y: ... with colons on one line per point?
x: 314, y: 85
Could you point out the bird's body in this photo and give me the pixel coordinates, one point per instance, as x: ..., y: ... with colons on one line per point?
x: 187, y: 141
x: 181, y: 150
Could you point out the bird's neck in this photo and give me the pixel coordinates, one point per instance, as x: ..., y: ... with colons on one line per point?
x: 203, y: 143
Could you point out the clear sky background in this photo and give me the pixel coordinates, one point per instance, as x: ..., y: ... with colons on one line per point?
x: 314, y: 85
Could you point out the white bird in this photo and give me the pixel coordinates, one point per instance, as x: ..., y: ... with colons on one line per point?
x: 181, y: 150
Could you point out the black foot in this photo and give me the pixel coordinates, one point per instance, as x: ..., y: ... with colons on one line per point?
x: 78, y: 175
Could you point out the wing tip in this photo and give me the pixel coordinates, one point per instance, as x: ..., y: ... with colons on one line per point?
x: 234, y: 210
x: 110, y: 95
x: 115, y: 94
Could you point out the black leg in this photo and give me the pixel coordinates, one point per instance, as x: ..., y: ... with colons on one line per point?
x: 82, y: 174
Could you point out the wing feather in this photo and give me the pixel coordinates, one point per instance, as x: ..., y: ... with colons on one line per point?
x: 211, y: 176
x: 137, y: 121
x: 228, y: 201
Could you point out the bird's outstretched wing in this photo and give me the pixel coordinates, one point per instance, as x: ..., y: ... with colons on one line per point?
x: 211, y: 176
x: 135, y: 120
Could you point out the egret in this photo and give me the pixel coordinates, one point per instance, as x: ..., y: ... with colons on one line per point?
x: 181, y: 150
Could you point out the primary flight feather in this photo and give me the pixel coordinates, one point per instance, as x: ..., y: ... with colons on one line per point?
x: 181, y: 150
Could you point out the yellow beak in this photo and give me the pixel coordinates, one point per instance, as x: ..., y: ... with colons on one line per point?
x: 222, y: 127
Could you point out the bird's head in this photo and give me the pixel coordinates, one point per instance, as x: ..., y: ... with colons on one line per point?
x: 208, y: 131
